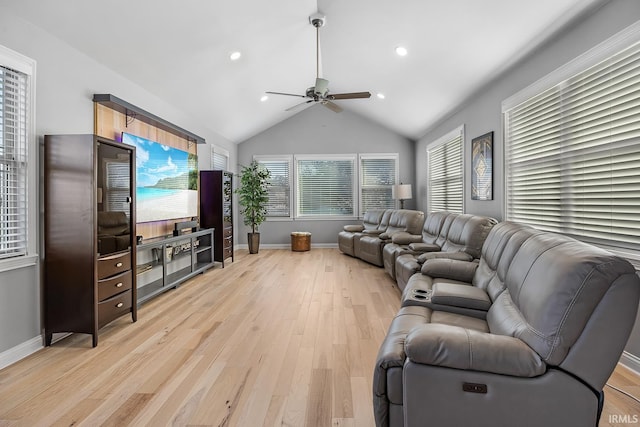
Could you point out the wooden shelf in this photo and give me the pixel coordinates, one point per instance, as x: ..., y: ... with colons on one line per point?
x: 168, y: 273
x: 130, y: 110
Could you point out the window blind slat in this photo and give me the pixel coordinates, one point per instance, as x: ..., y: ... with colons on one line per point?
x: 377, y: 177
x: 13, y: 163
x: 325, y: 187
x: 445, y: 175
x: 279, y: 187
x: 573, y: 152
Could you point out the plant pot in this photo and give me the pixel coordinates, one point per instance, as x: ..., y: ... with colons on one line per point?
x: 254, y: 242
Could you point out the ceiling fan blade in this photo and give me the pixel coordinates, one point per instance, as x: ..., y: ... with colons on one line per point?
x: 321, y: 87
x: 298, y: 105
x: 287, y: 94
x: 352, y: 95
x: 332, y: 106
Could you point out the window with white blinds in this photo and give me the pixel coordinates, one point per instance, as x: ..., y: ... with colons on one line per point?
x: 445, y: 175
x: 326, y: 186
x: 279, y: 185
x: 14, y: 98
x: 219, y: 158
x: 573, y: 154
x: 378, y: 174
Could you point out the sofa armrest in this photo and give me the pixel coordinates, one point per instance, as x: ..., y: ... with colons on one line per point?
x: 372, y: 232
x: 457, y: 295
x: 446, y: 268
x: 404, y: 238
x: 424, y: 247
x: 461, y: 256
x: 354, y: 228
x: 460, y: 348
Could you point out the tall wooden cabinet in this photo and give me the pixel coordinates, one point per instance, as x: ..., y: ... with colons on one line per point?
x: 216, y: 210
x: 89, y: 216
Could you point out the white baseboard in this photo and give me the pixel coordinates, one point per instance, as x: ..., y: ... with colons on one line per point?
x: 286, y: 246
x: 11, y: 356
x: 630, y: 361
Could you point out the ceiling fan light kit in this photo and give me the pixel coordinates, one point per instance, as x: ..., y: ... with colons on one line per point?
x: 320, y: 91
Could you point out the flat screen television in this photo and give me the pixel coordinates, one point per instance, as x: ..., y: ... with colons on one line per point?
x: 166, y: 180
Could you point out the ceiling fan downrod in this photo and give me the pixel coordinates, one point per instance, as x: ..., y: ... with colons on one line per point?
x: 318, y: 21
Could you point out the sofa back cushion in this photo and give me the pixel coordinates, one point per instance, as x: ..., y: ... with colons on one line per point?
x: 444, y: 230
x: 498, y: 251
x: 371, y: 219
x: 385, y: 219
x: 405, y: 220
x: 432, y: 226
x: 467, y: 233
x: 553, y: 285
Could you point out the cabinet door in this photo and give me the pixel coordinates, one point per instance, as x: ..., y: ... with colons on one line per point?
x: 114, y: 199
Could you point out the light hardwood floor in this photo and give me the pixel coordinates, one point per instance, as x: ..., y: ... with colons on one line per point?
x: 277, y: 338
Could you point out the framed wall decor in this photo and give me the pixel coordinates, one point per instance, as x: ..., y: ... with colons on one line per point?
x: 482, y: 167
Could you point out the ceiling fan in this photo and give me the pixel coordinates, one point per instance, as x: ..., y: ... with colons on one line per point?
x: 320, y: 91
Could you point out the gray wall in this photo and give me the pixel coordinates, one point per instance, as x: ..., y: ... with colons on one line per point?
x: 482, y: 112
x: 317, y: 130
x: 66, y: 80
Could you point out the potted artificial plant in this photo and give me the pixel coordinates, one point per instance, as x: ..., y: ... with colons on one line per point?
x: 253, y: 198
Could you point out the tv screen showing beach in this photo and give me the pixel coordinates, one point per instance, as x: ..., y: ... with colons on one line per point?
x: 166, y: 181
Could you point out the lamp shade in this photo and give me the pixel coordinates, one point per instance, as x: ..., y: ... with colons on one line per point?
x: 401, y: 192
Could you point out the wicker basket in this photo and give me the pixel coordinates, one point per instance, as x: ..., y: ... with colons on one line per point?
x: 300, y: 241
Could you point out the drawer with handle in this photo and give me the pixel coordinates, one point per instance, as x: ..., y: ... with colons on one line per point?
x: 114, y: 285
x: 113, y: 307
x: 113, y: 264
x: 227, y: 232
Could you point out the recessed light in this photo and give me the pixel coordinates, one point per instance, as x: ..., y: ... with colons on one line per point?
x: 401, y: 51
x: 264, y: 98
x: 235, y: 56
x: 380, y: 95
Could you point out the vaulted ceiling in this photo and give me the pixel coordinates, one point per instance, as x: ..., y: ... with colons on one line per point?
x: 180, y: 51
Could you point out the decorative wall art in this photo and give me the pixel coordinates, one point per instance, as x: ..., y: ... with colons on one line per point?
x: 482, y: 167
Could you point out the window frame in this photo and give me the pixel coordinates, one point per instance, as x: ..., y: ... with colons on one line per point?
x: 376, y: 156
x: 215, y: 149
x: 285, y: 159
x: 23, y: 64
x: 458, y: 132
x: 326, y: 157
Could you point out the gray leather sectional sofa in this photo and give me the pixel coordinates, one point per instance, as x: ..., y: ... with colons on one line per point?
x: 384, y: 235
x: 527, y: 335
x: 378, y: 227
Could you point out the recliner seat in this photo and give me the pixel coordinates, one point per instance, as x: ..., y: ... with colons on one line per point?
x: 366, y: 240
x: 400, y: 221
x: 461, y: 237
x: 405, y: 243
x: 371, y: 222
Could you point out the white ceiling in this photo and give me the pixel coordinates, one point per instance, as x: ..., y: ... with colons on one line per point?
x: 180, y: 51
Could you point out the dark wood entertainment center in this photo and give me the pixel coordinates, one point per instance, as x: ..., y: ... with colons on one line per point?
x: 92, y: 273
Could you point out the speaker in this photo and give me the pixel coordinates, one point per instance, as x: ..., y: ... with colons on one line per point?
x: 183, y: 225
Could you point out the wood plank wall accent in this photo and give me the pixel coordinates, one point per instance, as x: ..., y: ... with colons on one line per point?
x: 110, y: 124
